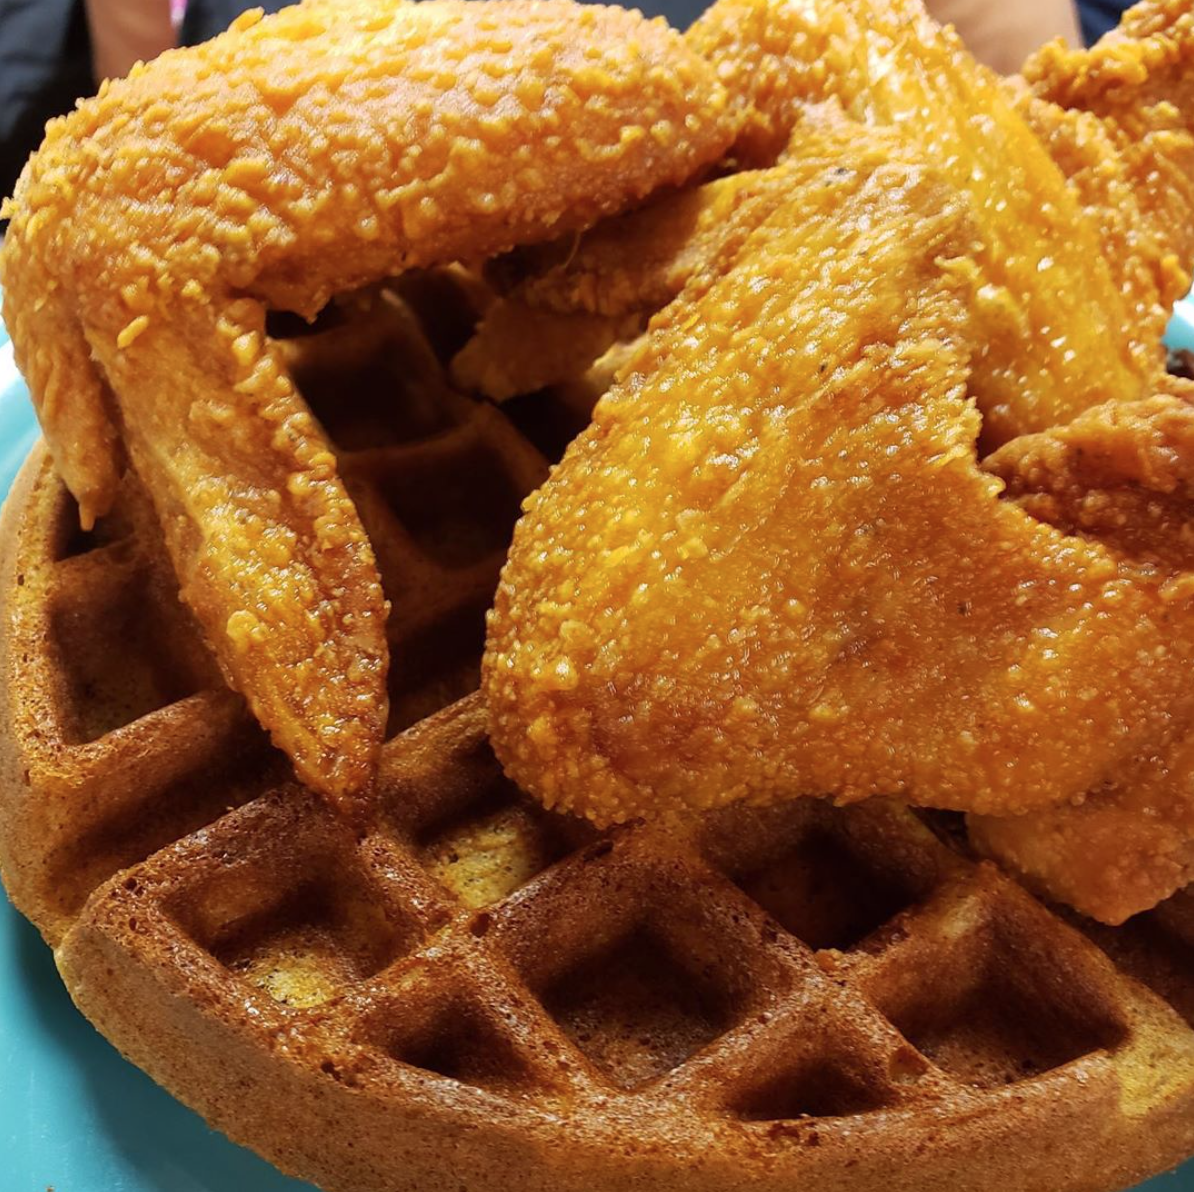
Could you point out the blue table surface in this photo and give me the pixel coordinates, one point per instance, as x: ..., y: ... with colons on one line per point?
x: 74, y: 1116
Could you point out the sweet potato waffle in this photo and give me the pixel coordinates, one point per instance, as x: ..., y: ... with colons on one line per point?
x: 478, y: 994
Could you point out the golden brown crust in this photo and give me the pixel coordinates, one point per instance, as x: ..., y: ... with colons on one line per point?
x: 1057, y: 333
x: 642, y: 730
x: 1117, y: 118
x: 634, y: 262
x: 1120, y: 475
x: 293, y: 158
x: 518, y: 348
x: 481, y: 994
x: 773, y: 565
x: 179, y: 155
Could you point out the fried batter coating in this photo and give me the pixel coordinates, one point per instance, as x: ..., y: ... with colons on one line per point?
x: 265, y: 541
x: 1120, y: 852
x: 640, y: 261
x: 1119, y: 121
x: 1114, y: 121
x: 520, y: 349
x: 1048, y: 307
x: 295, y: 157
x: 774, y: 566
x: 634, y: 262
x: 574, y: 306
x: 1118, y: 474
x: 1121, y: 475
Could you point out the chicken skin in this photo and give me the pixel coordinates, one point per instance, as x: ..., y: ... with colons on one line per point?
x: 880, y: 690
x: 773, y: 564
x: 297, y: 156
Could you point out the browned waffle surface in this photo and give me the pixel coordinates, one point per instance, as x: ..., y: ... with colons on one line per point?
x: 480, y: 995
x: 121, y: 734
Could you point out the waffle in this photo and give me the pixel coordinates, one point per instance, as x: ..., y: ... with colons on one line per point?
x: 478, y: 994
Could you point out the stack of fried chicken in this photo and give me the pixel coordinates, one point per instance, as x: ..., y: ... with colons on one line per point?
x: 887, y: 490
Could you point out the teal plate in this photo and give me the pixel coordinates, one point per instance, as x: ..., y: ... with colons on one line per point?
x: 1181, y: 328
x: 74, y: 1116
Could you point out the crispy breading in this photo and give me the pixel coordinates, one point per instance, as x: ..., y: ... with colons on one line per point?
x: 634, y: 262
x: 773, y: 565
x: 1119, y: 120
x: 1050, y: 314
x: 1120, y: 475
x: 520, y: 349
x: 1119, y: 852
x: 295, y: 157
x: 1081, y: 181
x: 580, y: 394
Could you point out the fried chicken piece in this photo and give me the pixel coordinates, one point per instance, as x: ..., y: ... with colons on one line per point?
x: 1116, y: 120
x: 572, y: 300
x: 634, y: 262
x: 574, y: 306
x: 265, y: 541
x: 1121, y: 851
x: 520, y: 349
x: 1056, y: 333
x: 1119, y: 121
x: 295, y: 157
x: 773, y: 566
x: 640, y: 261
x: 1119, y: 475
x: 1148, y: 256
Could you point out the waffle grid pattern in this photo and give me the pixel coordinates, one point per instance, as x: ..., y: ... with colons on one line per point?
x: 635, y: 969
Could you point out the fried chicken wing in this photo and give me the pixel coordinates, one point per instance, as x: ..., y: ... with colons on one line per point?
x: 1055, y: 292
x: 1056, y: 331
x: 1120, y: 475
x: 295, y: 157
x: 774, y: 566
x: 1080, y: 177
x: 1119, y: 121
x: 634, y: 262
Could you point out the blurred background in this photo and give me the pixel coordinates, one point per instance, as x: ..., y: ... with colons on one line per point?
x: 54, y: 51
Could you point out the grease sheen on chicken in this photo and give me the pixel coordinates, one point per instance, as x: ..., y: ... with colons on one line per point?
x: 299, y: 155
x: 773, y: 565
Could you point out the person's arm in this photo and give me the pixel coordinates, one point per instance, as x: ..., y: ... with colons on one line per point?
x: 127, y: 31
x: 1002, y: 33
